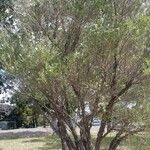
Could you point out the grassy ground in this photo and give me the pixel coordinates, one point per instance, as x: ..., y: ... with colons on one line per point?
x: 140, y: 142
x: 41, y: 143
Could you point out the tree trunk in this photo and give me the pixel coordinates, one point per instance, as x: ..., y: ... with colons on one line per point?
x: 64, y: 145
x: 100, y: 135
x: 82, y: 145
x: 114, y: 144
x: 66, y: 141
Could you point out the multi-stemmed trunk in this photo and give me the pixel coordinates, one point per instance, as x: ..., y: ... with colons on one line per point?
x: 84, y: 145
x: 80, y: 145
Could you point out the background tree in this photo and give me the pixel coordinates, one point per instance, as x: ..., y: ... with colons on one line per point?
x: 6, y: 86
x: 68, y: 55
x: 26, y: 112
x: 7, y: 14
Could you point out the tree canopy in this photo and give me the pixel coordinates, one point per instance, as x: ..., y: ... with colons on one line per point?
x: 67, y: 54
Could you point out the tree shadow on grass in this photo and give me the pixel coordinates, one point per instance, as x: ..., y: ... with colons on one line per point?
x: 34, y: 140
x: 105, y: 143
x: 52, y: 142
x: 138, y: 142
x: 9, y: 138
x: 134, y: 142
x: 23, y: 134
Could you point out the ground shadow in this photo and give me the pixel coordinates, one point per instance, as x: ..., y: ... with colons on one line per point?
x: 134, y: 142
x: 24, y: 134
x: 51, y: 142
x: 34, y: 140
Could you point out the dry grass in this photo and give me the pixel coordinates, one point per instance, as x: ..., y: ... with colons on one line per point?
x: 137, y: 142
x: 41, y: 143
x: 21, y: 144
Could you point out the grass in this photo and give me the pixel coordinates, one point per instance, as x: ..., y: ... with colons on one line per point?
x: 137, y: 142
x: 35, y: 143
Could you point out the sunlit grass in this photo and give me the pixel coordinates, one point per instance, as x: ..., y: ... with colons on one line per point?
x: 38, y: 143
x: 136, y: 142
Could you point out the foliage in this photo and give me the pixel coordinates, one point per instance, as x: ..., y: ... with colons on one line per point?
x: 70, y: 54
x: 28, y: 114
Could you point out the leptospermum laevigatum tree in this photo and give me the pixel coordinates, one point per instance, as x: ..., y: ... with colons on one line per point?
x: 72, y: 54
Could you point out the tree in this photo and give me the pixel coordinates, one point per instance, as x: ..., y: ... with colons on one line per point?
x: 78, y: 53
x: 6, y: 13
x: 26, y: 113
x: 6, y: 85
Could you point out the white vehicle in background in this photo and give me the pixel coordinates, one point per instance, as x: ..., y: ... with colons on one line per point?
x: 77, y: 118
x: 96, y: 122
